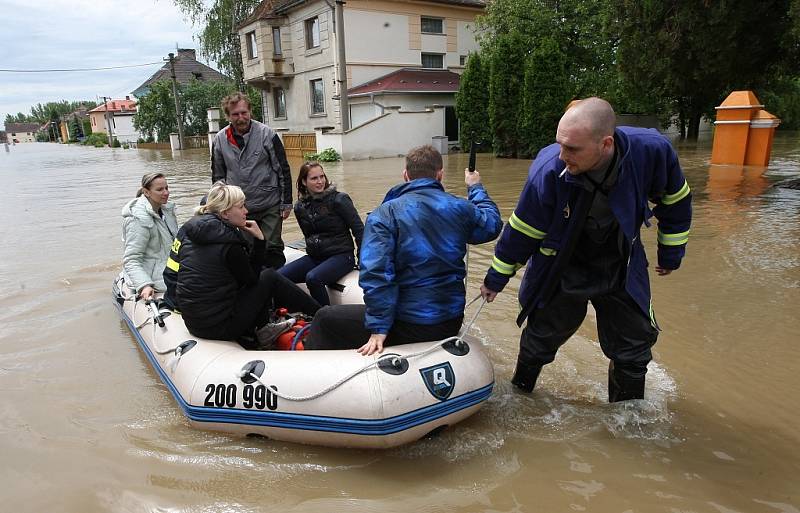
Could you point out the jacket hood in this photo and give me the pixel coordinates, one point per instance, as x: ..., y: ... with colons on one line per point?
x: 322, y: 195
x: 141, y: 209
x: 413, y: 185
x: 212, y: 229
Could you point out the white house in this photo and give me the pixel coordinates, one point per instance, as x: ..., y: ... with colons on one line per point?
x: 118, y: 116
x: 402, y: 64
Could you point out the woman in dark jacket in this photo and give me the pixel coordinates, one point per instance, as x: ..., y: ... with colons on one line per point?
x: 214, y: 274
x: 327, y: 218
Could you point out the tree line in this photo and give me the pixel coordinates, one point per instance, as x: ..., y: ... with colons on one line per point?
x: 675, y: 59
x: 50, y: 111
x: 155, y: 113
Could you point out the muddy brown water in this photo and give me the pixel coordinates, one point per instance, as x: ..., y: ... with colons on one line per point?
x: 86, y: 424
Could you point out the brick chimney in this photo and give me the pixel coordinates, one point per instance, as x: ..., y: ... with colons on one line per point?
x: 187, y: 53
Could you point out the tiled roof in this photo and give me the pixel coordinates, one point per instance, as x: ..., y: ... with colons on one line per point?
x: 116, y: 106
x: 409, y: 80
x: 22, y: 127
x: 268, y: 9
x: 186, y: 68
x: 481, y: 4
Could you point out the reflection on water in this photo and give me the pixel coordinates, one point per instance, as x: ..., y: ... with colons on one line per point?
x: 716, y: 432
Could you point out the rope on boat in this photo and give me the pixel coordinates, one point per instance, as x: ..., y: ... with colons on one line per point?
x: 395, y: 360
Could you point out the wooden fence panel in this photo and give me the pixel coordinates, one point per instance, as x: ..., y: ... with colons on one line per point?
x: 297, y: 145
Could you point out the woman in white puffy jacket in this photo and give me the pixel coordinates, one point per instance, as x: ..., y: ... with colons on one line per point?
x: 148, y: 227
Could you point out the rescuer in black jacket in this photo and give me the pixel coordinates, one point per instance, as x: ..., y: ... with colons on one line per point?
x: 327, y: 218
x: 212, y: 274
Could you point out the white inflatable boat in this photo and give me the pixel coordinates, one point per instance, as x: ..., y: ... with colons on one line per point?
x: 333, y: 398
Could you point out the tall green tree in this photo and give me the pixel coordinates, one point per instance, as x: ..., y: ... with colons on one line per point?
x: 19, y: 118
x: 156, y: 112
x: 155, y: 116
x: 505, y: 84
x: 472, y: 104
x: 691, y: 54
x: 545, y: 93
x: 50, y: 110
x: 219, y: 40
x: 196, y: 98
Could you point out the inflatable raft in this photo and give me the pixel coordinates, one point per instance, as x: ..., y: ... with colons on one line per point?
x: 332, y: 398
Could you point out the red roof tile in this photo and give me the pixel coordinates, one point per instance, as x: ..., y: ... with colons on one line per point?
x: 116, y: 106
x: 410, y: 80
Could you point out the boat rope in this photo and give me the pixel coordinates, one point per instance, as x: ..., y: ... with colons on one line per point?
x: 394, y: 359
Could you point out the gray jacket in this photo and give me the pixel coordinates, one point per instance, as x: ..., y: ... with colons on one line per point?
x: 148, y: 239
x: 260, y: 168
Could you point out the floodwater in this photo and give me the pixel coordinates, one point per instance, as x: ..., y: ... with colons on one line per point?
x: 86, y: 424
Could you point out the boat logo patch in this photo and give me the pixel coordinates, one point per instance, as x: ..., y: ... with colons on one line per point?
x: 440, y: 380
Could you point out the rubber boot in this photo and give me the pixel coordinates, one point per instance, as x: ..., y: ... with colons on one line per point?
x: 525, y: 376
x: 622, y: 387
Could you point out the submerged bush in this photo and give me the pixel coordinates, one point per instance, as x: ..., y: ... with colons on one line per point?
x: 326, y: 155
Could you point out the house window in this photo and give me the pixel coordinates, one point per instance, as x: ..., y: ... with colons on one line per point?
x: 462, y: 60
x: 432, y: 25
x: 317, y: 97
x: 312, y: 33
x: 280, y: 102
x: 433, y: 60
x: 276, y: 41
x: 252, y: 46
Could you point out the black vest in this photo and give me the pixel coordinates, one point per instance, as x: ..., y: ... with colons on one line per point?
x: 324, y: 228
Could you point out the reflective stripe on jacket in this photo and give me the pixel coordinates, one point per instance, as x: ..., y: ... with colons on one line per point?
x: 540, y: 225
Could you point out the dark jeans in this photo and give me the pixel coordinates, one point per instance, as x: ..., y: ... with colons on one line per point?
x: 626, y: 334
x: 316, y: 274
x: 253, y: 305
x: 342, y: 327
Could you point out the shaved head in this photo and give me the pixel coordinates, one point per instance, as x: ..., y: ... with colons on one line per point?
x: 594, y: 115
x: 586, y: 135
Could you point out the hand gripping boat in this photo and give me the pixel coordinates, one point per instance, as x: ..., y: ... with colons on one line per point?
x: 333, y: 398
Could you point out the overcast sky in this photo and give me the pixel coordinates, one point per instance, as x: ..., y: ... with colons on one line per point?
x: 59, y: 34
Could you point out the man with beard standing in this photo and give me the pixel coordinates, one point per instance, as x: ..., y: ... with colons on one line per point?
x: 250, y: 154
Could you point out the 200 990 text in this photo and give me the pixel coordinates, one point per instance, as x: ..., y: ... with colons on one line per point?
x: 253, y: 397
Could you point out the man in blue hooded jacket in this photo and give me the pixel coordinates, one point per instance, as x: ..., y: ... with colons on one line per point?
x: 577, y: 226
x: 412, y: 262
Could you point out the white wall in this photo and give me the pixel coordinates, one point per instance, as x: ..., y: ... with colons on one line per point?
x: 360, y: 113
x: 467, y: 38
x: 391, y: 135
x: 370, y: 40
x: 122, y: 127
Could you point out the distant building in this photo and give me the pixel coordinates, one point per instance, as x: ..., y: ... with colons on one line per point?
x: 118, y: 115
x: 3, y: 137
x: 187, y: 68
x: 402, y: 57
x: 22, y: 132
x: 67, y: 124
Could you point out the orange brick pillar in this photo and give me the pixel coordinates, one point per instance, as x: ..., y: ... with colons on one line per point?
x: 732, y: 127
x: 759, y: 144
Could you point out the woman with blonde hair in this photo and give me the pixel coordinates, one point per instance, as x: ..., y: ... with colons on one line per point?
x: 148, y: 227
x: 213, y: 275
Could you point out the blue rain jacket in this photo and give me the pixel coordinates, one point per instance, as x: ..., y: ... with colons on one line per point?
x: 412, y: 254
x: 541, y: 224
